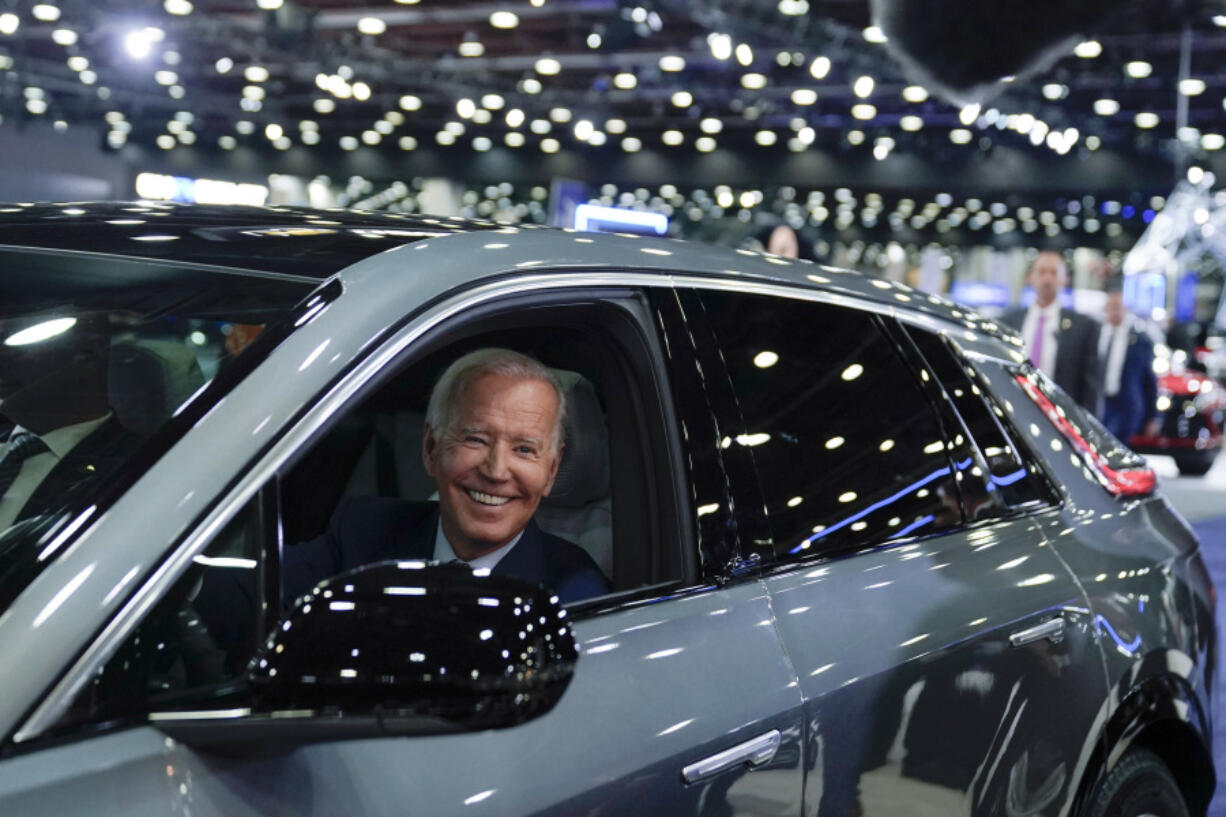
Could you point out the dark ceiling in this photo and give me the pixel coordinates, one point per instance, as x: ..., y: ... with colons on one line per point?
x: 759, y: 78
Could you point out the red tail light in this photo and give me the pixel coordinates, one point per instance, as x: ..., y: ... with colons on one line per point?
x: 1118, y: 482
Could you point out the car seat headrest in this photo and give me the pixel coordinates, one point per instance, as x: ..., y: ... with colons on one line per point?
x: 583, y: 475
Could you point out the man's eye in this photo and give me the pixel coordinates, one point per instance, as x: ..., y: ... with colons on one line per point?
x: 526, y: 449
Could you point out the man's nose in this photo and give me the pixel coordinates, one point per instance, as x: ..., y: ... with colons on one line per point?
x: 495, y: 464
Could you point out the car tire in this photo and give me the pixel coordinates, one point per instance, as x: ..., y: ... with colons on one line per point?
x: 1196, y: 465
x: 1140, y: 784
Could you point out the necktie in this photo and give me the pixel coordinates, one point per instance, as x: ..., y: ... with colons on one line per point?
x: 21, y: 447
x: 1036, y: 348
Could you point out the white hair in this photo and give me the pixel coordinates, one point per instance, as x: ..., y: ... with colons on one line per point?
x: 450, y: 389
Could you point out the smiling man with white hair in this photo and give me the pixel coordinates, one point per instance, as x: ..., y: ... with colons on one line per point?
x: 492, y: 444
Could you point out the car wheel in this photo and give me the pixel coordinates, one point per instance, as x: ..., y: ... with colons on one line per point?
x: 1138, y: 786
x: 1196, y: 465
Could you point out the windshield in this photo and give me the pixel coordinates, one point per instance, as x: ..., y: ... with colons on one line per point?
x: 97, y: 354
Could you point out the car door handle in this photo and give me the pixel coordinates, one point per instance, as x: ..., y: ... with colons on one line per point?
x: 752, y: 752
x: 1052, y: 630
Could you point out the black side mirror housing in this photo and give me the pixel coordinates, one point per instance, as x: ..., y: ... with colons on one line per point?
x: 398, y: 648
x: 416, y: 639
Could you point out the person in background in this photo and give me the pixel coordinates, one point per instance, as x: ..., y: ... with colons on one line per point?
x: 1130, y: 388
x: 1060, y: 342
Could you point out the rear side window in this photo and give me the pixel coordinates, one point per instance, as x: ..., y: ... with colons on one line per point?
x: 1015, y: 481
x: 847, y: 449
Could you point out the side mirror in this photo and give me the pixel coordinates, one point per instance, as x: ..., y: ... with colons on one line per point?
x: 399, y: 648
x: 409, y: 638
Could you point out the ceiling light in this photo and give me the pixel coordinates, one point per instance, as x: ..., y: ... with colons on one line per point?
x: 960, y: 136
x: 493, y: 102
x: 178, y: 7
x: 77, y: 63
x: 395, y: 117
x: 548, y: 66
x: 384, y: 127
x: 683, y: 99
x: 753, y: 81
x: 672, y: 138
x: 371, y: 26
x: 863, y: 87
x: 46, y: 12
x: 270, y: 5
x: 64, y: 37
x: 89, y: 77
x: 514, y: 118
x: 1106, y: 107
x: 245, y: 127
x: 504, y: 19
x: 255, y: 73
x: 820, y: 67
x: 471, y: 48
x: 1146, y: 119
x: 324, y: 105
x: 625, y: 81
x: 560, y: 115
x: 744, y: 55
x: 351, y: 143
x: 514, y: 139
x: 454, y: 128
x: 863, y: 111
x: 482, y: 144
x: 804, y: 96
x: 874, y: 34
x: 9, y: 23
x: 138, y: 44
x: 1219, y: 20
x: 1054, y: 91
x: 36, y: 106
x: 361, y: 91
x: 720, y: 45
x: 252, y: 92
x: 1191, y: 87
x: 407, y: 143
x: 273, y: 131
x: 968, y: 114
x: 540, y: 126
x: 410, y: 102
x: 911, y: 123
x: 597, y: 139
x: 914, y: 93
x: 465, y: 107
x: 765, y: 138
x: 631, y: 144
x: 550, y: 146
x: 530, y: 85
x: 615, y: 126
x: 1088, y: 49
x: 711, y: 125
x: 705, y: 144
x: 793, y: 8
x: 165, y: 77
x: 594, y: 40
x: 584, y: 129
x: 224, y: 65
x: 1210, y: 141
x: 444, y: 138
x: 672, y: 62
x: 1138, y: 69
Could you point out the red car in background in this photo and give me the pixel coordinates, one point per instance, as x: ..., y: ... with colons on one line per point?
x: 1192, y: 407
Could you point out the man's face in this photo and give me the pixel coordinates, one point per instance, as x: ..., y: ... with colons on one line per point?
x: 1114, y: 310
x: 783, y: 242
x: 495, y: 462
x: 1046, y: 277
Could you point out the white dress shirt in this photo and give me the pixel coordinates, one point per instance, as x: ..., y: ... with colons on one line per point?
x: 1051, y: 327
x: 444, y: 553
x: 1118, y: 348
x: 35, y: 469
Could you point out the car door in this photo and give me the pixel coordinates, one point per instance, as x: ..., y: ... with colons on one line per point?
x: 682, y: 699
x: 946, y: 655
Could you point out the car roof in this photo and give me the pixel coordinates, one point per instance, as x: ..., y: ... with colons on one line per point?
x: 315, y: 244
x: 286, y: 240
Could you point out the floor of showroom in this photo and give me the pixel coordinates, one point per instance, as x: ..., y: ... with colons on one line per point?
x: 1202, y: 500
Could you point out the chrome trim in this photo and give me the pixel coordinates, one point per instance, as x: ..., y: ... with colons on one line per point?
x: 1052, y: 630
x: 752, y: 752
x: 95, y: 655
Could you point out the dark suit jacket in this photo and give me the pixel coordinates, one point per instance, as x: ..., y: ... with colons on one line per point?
x: 366, y: 529
x: 88, y: 462
x: 1077, y: 368
x: 1136, y: 403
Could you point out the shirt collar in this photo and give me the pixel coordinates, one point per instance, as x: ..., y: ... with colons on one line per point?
x: 62, y: 440
x: 443, y: 551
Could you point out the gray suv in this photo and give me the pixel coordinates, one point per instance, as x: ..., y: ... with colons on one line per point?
x: 863, y: 558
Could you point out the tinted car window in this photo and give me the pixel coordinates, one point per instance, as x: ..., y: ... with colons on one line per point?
x: 1015, y: 481
x: 846, y: 446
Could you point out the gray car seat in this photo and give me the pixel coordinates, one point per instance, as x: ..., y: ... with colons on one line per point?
x: 149, y: 380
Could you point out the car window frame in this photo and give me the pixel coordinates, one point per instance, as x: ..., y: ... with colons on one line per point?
x: 306, y: 426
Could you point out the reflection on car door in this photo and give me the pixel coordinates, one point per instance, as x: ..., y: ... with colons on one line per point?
x: 948, y: 670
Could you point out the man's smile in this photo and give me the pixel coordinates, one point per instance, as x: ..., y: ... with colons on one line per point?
x: 487, y: 499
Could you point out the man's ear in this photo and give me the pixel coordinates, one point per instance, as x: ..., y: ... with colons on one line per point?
x: 553, y: 471
x: 427, y: 449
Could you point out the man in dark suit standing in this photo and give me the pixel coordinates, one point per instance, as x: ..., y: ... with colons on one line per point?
x: 1062, y: 343
x: 492, y: 443
x: 1130, y: 388
x: 64, y: 437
